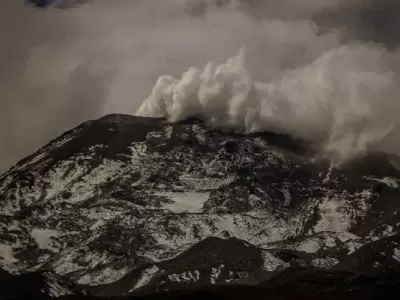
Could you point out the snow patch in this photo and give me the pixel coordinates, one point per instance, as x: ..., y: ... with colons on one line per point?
x: 310, y: 246
x: 189, y: 202
x: 396, y: 254
x: 192, y: 276
x: 138, y: 151
x: 146, y: 276
x: 216, y: 273
x: 7, y: 255
x: 103, y: 276
x: 272, y: 263
x: 329, y: 216
x: 43, y: 238
x: 391, y: 182
x: 325, y: 263
x: 32, y: 161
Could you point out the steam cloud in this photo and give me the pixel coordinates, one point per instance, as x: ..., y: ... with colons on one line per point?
x: 323, y: 70
x: 346, y: 101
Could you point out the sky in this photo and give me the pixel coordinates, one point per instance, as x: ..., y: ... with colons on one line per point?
x: 321, y: 70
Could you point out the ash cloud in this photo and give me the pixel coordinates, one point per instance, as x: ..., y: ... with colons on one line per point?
x: 60, y: 67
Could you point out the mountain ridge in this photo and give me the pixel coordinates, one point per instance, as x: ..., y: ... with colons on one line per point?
x: 119, y: 205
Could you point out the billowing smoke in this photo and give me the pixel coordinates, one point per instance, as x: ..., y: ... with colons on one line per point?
x: 323, y: 84
x: 322, y: 70
x: 345, y: 101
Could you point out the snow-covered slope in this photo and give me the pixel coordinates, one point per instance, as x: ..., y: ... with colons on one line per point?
x: 126, y: 204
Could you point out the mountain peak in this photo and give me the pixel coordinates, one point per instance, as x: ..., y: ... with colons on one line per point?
x: 125, y: 204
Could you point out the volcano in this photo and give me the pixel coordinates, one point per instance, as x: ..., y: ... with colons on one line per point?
x: 127, y: 205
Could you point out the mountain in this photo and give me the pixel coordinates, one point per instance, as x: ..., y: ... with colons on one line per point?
x: 38, y: 285
x: 300, y: 283
x: 126, y: 205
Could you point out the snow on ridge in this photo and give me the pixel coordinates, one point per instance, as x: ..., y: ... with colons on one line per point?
x: 390, y: 182
x: 32, y: 161
x: 145, y: 278
x: 103, y: 276
x: 62, y: 141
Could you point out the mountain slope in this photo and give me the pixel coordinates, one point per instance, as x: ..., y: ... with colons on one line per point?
x: 303, y: 283
x: 125, y: 204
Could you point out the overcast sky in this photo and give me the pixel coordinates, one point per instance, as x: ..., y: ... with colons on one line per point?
x: 60, y: 67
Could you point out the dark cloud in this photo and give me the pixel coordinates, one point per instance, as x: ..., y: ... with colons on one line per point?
x: 374, y: 21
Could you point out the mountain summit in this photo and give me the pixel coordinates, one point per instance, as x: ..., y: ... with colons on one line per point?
x: 124, y: 205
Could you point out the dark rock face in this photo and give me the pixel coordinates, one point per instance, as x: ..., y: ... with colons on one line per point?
x: 38, y: 285
x: 300, y: 283
x: 126, y: 205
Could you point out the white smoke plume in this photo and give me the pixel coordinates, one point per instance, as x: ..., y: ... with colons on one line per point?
x: 322, y: 70
x: 346, y: 101
x: 342, y: 97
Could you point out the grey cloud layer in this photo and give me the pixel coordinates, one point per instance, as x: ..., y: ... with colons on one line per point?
x: 62, y: 67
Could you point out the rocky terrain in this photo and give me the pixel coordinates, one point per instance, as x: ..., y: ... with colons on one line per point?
x: 125, y: 205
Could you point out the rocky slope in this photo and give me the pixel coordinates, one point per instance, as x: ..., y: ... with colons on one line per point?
x: 125, y: 205
x: 300, y: 283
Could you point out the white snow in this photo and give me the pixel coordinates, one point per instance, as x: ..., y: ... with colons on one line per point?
x: 216, y: 273
x: 325, y: 263
x: 146, y: 276
x: 391, y: 182
x: 388, y: 231
x: 396, y: 254
x: 193, y: 276
x: 329, y: 216
x: 85, y: 187
x: 103, y: 276
x: 43, y: 238
x: 174, y: 277
x: 138, y: 150
x: 310, y: 246
x: 32, y: 161
x: 6, y: 255
x: 190, y: 202
x: 58, y: 182
x: 328, y: 175
x: 271, y: 263
x: 189, y: 276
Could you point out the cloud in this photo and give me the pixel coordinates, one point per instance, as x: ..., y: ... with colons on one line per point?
x: 60, y: 67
